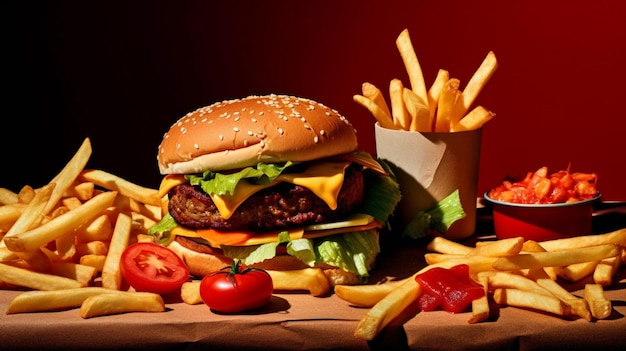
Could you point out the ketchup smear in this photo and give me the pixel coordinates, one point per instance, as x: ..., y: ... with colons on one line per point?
x: 451, y: 289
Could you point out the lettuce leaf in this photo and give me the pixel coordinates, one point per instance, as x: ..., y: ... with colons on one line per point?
x: 222, y: 183
x: 440, y: 217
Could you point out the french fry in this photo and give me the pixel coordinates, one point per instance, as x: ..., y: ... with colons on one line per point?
x: 371, y: 92
x: 527, y: 299
x: 32, y: 215
x: 93, y: 260
x: 447, y: 100
x: 434, y: 92
x: 514, y: 281
x: 82, y: 191
x: 474, y: 86
x: 111, y: 273
x: 39, y: 236
x: 599, y: 305
x: 190, y: 292
x: 577, y: 271
x: 367, y: 295
x: 92, y: 248
x: 480, y: 306
x: 98, y: 229
x: 475, y: 119
x: 117, y: 184
x: 10, y: 213
x: 7, y: 197
x: 417, y: 110
x: 503, y: 247
x: 617, y: 237
x: 447, y: 246
x: 71, y: 202
x: 400, y: 115
x: 578, y: 306
x: 68, y: 174
x: 121, y: 302
x: 412, y: 65
x: 65, y: 246
x: 555, y: 258
x: 39, y: 281
x: 83, y: 274
x: 310, y: 279
x: 383, y: 119
x: 26, y: 194
x: 606, y: 269
x: 533, y: 246
x: 52, y: 300
x: 388, y: 308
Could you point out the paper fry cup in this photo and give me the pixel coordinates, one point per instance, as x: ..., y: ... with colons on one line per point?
x: 429, y: 167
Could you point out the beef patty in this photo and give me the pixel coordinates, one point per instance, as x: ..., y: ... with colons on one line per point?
x: 279, y: 207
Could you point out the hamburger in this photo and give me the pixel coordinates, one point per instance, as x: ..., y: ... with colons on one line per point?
x: 277, y: 182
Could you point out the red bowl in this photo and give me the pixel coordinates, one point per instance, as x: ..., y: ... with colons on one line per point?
x: 541, y: 222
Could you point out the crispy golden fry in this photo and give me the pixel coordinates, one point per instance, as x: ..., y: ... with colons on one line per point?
x: 83, y: 191
x: 475, y: 86
x: 121, y: 302
x: 111, y: 273
x: 606, y: 269
x: 53, y: 300
x: 434, y: 92
x: 503, y: 247
x: 555, y: 258
x: 447, y: 246
x: 388, y: 308
x: 7, y: 255
x: 33, y: 213
x: 97, y: 229
x: 577, y: 271
x: 70, y: 203
x: 34, y: 238
x: 578, y: 306
x: 417, y: 110
x: 533, y: 246
x: 380, y: 115
x: 599, y: 305
x: 617, y: 237
x: 26, y: 194
x: 84, y: 274
x: 515, y: 281
x: 39, y: 281
x: 480, y: 306
x: 117, y: 184
x: 7, y: 197
x: 412, y: 65
x: 68, y: 174
x: 92, y: 248
x: 65, y: 246
x: 93, y: 260
x: 399, y: 113
x: 310, y: 279
x: 527, y: 299
x: 190, y: 292
x: 367, y: 295
x: 371, y: 92
x: 447, y: 100
x: 475, y: 119
x: 10, y: 213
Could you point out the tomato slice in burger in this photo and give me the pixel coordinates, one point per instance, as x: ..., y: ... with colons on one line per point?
x: 153, y: 268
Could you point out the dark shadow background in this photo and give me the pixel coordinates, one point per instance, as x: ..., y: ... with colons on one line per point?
x: 121, y: 72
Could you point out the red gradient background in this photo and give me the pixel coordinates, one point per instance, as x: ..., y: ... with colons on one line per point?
x: 122, y: 73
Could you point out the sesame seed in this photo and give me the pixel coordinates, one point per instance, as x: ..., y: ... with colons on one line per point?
x: 196, y: 146
x: 281, y: 131
x: 254, y: 120
x: 250, y: 133
x: 221, y: 137
x: 235, y: 129
x: 261, y: 113
x: 183, y: 130
x: 322, y: 132
x: 316, y: 139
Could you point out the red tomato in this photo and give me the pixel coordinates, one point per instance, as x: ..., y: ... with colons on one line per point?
x: 153, y: 268
x: 236, y: 289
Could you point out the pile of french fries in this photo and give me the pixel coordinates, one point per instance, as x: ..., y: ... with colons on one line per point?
x: 443, y: 107
x: 514, y: 272
x: 63, y: 241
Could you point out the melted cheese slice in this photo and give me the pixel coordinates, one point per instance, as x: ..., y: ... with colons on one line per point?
x: 218, y: 238
x: 324, y: 179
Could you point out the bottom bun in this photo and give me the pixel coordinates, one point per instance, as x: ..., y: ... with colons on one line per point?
x: 202, y: 260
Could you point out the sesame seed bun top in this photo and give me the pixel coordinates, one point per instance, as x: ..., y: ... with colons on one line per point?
x: 243, y: 132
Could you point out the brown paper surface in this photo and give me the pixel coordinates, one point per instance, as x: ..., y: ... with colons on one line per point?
x: 297, y: 321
